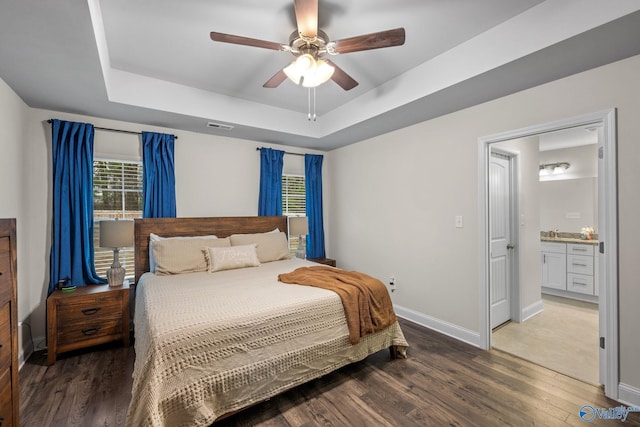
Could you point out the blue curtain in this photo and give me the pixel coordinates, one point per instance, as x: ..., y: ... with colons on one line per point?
x: 313, y: 187
x: 72, y: 255
x: 270, y: 197
x: 158, y: 175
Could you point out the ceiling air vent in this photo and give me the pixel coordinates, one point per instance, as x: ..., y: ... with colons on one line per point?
x: 219, y: 126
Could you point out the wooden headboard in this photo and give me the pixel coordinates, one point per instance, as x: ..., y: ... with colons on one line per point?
x: 220, y: 226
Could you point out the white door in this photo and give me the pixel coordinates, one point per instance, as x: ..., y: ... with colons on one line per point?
x: 500, y: 238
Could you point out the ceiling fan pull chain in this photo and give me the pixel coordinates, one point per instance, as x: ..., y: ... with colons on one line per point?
x: 314, y: 104
x: 309, y: 104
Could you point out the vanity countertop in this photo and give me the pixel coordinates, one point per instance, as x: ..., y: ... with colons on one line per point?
x: 568, y: 240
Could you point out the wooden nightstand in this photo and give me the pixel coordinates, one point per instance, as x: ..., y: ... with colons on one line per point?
x: 325, y: 261
x: 90, y: 315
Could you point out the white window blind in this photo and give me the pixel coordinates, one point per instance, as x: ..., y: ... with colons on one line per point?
x: 294, y: 201
x: 117, y: 193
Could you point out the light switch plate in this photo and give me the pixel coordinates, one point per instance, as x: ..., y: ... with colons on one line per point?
x: 459, y: 221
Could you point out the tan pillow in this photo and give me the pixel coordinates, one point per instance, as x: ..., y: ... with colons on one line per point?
x: 154, y: 238
x: 271, y: 246
x: 232, y: 257
x: 177, y: 256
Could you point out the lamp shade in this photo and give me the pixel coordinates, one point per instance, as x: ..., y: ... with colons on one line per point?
x: 309, y: 72
x: 116, y: 234
x: 298, y: 226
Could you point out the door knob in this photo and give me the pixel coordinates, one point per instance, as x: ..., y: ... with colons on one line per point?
x: 510, y: 246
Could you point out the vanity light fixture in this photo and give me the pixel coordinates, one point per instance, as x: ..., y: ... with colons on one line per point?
x: 553, y: 168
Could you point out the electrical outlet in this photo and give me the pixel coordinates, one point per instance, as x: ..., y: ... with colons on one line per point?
x: 392, y: 283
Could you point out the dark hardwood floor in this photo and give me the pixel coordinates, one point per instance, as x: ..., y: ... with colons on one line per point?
x: 443, y: 382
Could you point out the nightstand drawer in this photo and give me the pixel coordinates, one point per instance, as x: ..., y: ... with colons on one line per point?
x: 90, y: 308
x: 5, y: 337
x: 6, y: 407
x: 75, y: 333
x: 6, y: 283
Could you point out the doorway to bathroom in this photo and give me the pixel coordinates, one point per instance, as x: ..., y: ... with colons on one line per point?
x: 529, y: 304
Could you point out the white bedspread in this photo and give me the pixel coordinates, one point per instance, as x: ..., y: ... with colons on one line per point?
x: 211, y: 343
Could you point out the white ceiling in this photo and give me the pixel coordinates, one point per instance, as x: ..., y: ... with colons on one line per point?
x: 568, y: 138
x: 152, y: 61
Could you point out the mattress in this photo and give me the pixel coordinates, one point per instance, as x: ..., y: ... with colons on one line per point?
x: 208, y: 344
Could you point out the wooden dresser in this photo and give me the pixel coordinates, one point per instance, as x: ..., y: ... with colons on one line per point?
x: 90, y: 315
x: 8, y: 325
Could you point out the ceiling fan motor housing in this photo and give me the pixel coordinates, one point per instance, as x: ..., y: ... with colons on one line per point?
x: 316, y: 46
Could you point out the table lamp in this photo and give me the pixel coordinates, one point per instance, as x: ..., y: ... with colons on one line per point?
x: 116, y: 234
x: 299, y: 226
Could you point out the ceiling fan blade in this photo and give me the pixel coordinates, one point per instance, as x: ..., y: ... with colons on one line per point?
x: 307, y: 17
x: 275, y: 81
x: 245, y: 41
x: 378, y: 40
x: 344, y: 80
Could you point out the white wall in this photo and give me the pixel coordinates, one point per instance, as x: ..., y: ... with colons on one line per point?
x: 575, y: 191
x: 394, y: 198
x: 583, y: 161
x: 561, y: 202
x: 13, y: 124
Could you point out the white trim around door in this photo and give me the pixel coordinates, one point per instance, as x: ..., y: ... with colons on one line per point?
x: 607, y: 234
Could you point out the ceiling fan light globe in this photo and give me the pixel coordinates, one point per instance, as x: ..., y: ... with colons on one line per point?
x: 322, y: 73
x: 293, y: 73
x: 305, y: 64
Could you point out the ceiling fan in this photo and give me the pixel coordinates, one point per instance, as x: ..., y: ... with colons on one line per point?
x: 310, y: 46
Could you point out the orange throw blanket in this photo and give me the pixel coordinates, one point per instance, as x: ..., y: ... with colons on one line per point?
x: 366, y: 301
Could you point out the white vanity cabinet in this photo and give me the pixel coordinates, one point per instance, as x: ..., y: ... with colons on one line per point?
x: 554, y: 265
x: 569, y: 270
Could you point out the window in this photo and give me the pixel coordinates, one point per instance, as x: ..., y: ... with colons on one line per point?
x: 294, y: 201
x: 117, y: 193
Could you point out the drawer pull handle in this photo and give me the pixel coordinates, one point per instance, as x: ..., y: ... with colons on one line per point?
x: 579, y: 283
x: 90, y: 311
x: 576, y: 264
x: 91, y: 331
x: 579, y: 250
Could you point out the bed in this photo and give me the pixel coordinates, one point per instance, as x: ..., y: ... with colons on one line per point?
x: 210, y: 344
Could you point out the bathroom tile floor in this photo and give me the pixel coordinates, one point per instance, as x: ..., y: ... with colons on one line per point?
x: 564, y: 338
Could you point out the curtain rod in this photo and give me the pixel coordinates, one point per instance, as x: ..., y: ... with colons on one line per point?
x: 286, y: 152
x: 118, y: 130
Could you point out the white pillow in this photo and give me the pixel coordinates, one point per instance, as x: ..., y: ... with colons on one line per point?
x: 155, y: 238
x: 229, y: 258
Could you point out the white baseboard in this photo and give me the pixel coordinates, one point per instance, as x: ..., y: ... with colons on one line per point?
x: 27, y: 350
x: 573, y: 295
x: 24, y: 354
x: 531, y: 310
x: 446, y: 328
x: 628, y: 395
